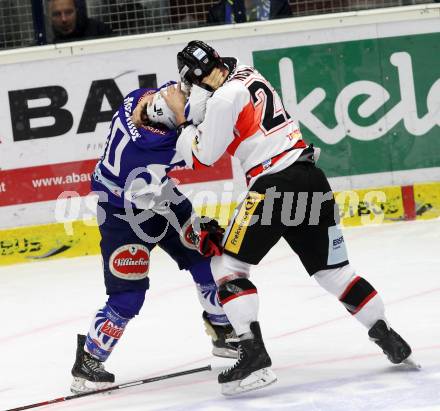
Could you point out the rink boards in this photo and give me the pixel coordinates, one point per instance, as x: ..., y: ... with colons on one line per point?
x: 357, y: 208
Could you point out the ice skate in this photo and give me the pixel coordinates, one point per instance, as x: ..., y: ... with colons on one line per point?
x: 224, y: 339
x: 252, y: 369
x: 88, y: 373
x: 393, y: 345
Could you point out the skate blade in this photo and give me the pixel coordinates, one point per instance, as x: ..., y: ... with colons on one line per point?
x: 81, y: 385
x: 258, y: 379
x: 224, y: 353
x: 411, y: 363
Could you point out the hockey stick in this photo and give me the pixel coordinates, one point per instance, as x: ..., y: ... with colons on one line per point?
x: 116, y: 387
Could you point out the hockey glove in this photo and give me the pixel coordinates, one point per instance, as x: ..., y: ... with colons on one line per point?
x: 207, y: 236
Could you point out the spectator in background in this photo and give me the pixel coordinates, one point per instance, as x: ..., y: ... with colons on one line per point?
x: 128, y: 17
x: 241, y: 11
x: 69, y: 23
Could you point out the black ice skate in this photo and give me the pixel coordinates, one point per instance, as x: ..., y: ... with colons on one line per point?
x: 392, y: 344
x: 224, y: 339
x: 88, y: 368
x: 251, y: 371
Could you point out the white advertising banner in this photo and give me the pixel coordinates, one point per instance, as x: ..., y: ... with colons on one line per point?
x: 55, y: 112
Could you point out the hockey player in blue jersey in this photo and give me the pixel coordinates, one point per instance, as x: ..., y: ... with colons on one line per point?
x: 139, y: 207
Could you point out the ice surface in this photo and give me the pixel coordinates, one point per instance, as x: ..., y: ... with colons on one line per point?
x: 322, y: 356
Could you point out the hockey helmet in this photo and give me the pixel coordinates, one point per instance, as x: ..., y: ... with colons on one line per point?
x: 196, y: 61
x: 159, y: 112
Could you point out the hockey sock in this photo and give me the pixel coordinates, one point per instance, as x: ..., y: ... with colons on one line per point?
x: 371, y: 312
x: 362, y: 301
x: 239, y: 298
x: 356, y: 294
x: 105, y: 331
x: 208, y: 298
x: 207, y: 293
x: 109, y: 322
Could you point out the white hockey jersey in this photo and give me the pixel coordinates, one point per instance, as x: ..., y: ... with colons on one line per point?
x: 246, y: 118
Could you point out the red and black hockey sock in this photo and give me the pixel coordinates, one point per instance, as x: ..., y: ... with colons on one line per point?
x: 239, y: 298
x: 235, y: 288
x: 357, y: 294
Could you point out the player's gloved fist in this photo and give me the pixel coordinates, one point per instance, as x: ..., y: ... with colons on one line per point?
x: 207, y: 236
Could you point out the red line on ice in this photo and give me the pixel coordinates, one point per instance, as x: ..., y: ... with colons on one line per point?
x: 343, y: 317
x: 75, y: 319
x: 350, y: 358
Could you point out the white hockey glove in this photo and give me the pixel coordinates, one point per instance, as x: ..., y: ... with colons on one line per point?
x: 195, y: 108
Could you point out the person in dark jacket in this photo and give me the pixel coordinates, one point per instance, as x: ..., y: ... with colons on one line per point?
x: 69, y: 23
x: 241, y: 11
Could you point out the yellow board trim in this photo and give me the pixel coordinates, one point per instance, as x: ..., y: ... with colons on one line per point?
x: 370, y: 206
x: 49, y: 241
x: 79, y: 238
x: 427, y: 200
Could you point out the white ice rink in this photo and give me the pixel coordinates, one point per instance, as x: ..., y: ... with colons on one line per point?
x: 322, y: 356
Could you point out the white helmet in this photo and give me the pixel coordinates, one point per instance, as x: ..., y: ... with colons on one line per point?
x: 159, y: 112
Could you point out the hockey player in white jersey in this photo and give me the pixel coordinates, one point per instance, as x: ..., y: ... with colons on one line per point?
x: 245, y: 117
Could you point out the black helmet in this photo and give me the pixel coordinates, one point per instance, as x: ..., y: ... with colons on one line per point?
x: 196, y: 61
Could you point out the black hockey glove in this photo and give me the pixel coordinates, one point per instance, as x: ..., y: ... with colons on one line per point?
x: 207, y: 236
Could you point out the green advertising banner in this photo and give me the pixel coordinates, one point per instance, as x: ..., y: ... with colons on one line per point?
x: 371, y: 105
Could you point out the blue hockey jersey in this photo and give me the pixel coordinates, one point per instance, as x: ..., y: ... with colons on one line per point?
x: 135, y: 162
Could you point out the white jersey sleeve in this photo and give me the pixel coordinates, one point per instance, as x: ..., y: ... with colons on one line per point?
x: 196, y: 104
x: 209, y: 140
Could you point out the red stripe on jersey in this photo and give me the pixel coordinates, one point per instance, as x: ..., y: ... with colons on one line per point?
x: 368, y: 298
x: 259, y: 168
x: 197, y: 164
x: 232, y: 297
x: 247, y: 125
x: 349, y: 287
